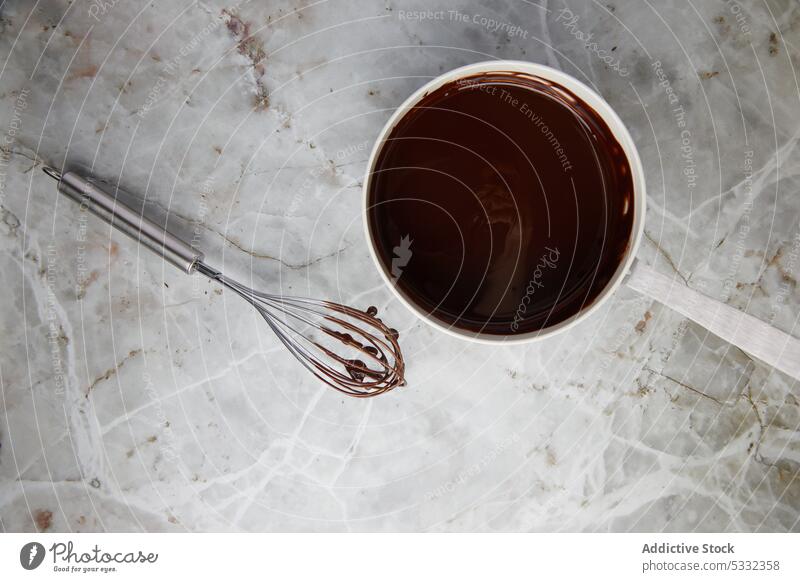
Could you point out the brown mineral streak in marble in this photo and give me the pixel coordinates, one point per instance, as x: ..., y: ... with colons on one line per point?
x: 43, y: 519
x: 88, y: 72
x: 250, y: 47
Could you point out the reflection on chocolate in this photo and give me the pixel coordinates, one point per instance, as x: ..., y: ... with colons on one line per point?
x: 509, y: 199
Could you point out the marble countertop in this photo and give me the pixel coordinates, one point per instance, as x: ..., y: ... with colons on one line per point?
x: 135, y: 398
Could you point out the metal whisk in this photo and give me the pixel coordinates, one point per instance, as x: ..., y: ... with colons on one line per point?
x: 349, y: 349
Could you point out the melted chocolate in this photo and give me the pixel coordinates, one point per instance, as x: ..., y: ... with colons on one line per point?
x: 501, y: 204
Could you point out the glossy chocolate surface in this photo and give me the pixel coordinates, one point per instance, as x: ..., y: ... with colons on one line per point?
x: 501, y: 204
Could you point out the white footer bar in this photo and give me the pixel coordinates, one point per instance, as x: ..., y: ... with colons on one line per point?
x: 400, y: 557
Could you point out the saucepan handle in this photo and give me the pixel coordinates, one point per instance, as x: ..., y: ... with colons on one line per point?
x: 759, y: 339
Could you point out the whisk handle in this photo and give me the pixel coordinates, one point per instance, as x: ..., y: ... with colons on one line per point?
x: 127, y: 220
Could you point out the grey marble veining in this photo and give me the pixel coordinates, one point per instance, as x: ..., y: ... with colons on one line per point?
x: 135, y: 398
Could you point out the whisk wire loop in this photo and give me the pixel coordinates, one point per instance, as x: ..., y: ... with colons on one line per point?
x: 315, y: 331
